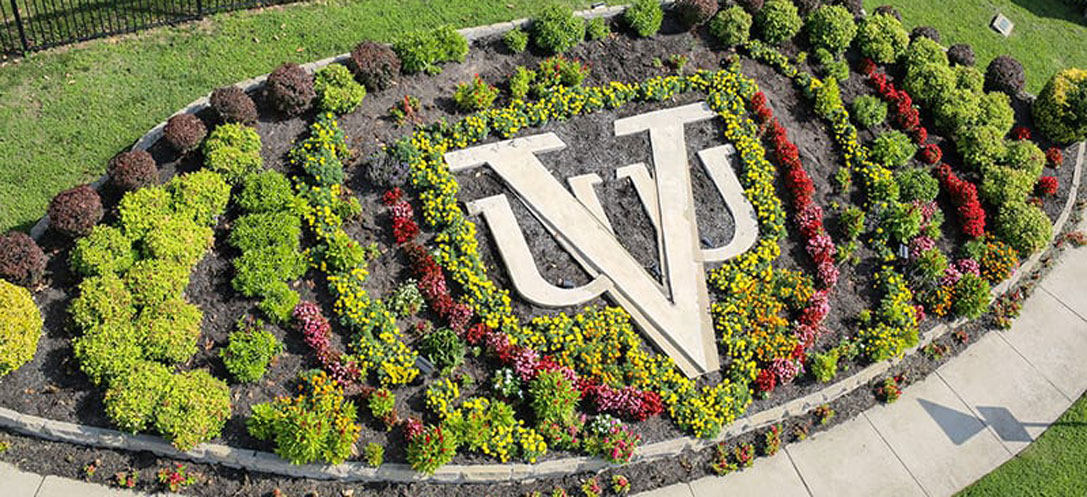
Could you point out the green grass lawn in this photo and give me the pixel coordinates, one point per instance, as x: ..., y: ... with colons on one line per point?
x: 1049, y: 35
x: 1054, y: 465
x: 65, y: 112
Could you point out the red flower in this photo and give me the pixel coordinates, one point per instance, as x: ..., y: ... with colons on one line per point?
x: 920, y: 135
x: 867, y: 67
x: 1055, y: 157
x: 965, y: 197
x: 765, y: 381
x: 931, y: 153
x: 1021, y: 133
x: 1047, y: 186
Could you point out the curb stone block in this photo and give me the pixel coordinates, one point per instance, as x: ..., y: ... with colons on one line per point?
x: 397, y: 472
x: 487, y: 472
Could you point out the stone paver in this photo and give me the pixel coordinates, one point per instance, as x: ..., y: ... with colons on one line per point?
x: 1052, y: 339
x: 937, y: 437
x: 774, y: 476
x: 1000, y: 387
x: 1066, y: 281
x: 15, y: 483
x: 852, y: 459
x: 677, y: 490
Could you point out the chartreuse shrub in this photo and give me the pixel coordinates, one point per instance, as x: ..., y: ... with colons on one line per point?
x: 597, y: 28
x: 521, y: 82
x: 475, y: 96
x: 105, y: 250
x: 778, y: 21
x: 516, y: 40
x: 318, y: 424
x: 20, y: 327
x: 249, y: 351
x: 824, y: 366
x: 194, y: 409
x: 893, y: 326
x: 179, y: 239
x: 831, y: 27
x: 923, y: 51
x: 869, y: 111
x: 337, y: 90
x: 131, y: 401
x: 731, y: 26
x: 201, y: 196
x: 266, y: 191
x: 171, y: 329
x: 892, y: 149
x: 423, y: 51
x: 233, y: 150
x: 644, y: 17
x: 1023, y: 226
x: 882, y: 38
x: 1061, y: 109
x: 556, y: 29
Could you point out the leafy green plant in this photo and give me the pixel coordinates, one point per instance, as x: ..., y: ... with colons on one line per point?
x: 731, y: 26
x: 382, y: 404
x: 260, y: 230
x: 200, y: 195
x: 930, y: 82
x: 444, y: 348
x: 516, y: 40
x: 152, y: 281
x: 431, y: 449
x: 521, y: 82
x: 644, y: 17
x: 916, y: 183
x: 828, y: 98
x: 475, y: 96
x: 180, y: 240
x: 1061, y: 108
x: 317, y: 425
x: 597, y: 29
x: 251, y: 348
x: 970, y: 296
x: 373, y: 454
x: 824, y: 366
x: 170, y: 329
x: 423, y: 51
x: 554, y: 398
x: 337, y: 90
x: 194, y: 409
x: 105, y: 250
x: 20, y: 327
x: 257, y: 271
x: 831, y: 27
x: 407, y: 300
x: 892, y: 149
x: 557, y: 71
x: 869, y: 111
x: 133, y: 397
x: 852, y: 222
x: 556, y: 29
x: 142, y: 209
x: 233, y: 150
x: 1025, y: 227
x: 778, y: 21
x: 882, y: 38
x: 902, y: 221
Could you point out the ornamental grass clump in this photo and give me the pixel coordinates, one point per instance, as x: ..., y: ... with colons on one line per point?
x: 22, y: 261
x: 20, y: 327
x: 317, y: 424
x: 336, y: 89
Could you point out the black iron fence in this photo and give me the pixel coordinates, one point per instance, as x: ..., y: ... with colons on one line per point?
x: 28, y: 25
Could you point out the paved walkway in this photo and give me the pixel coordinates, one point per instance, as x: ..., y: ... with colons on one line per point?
x: 974, y: 413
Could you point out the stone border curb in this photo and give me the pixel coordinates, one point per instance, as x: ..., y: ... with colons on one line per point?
x: 265, y: 462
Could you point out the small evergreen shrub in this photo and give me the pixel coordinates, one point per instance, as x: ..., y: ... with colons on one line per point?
x: 257, y: 271
x: 336, y: 90
x: 289, y: 88
x: 376, y: 66
x: 516, y: 40
x: 731, y: 26
x: 917, y: 184
x: 1005, y: 74
x: 644, y: 17
x: 194, y: 409
x: 263, y: 229
x: 233, y: 150
x: 107, y: 352
x: 778, y: 21
x: 423, y: 51
x: 75, y: 211
x: 180, y: 240
x: 831, y: 27
x: 882, y: 38
x: 695, y: 12
x: 135, y: 169
x: 170, y: 330
x: 930, y: 82
x: 597, y: 28
x: 961, y: 55
x: 102, y: 300
x: 317, y: 425
x: 142, y: 209
x: 233, y: 105
x: 893, y: 149
x: 184, y: 132
x: 1060, y: 111
x: 131, y: 399
x: 22, y: 261
x: 557, y: 30
x: 869, y: 111
x: 1002, y: 184
x: 250, y: 350
x: 475, y: 96
x: 152, y: 281
x: 1023, y: 226
x: 266, y: 191
x: 521, y: 82
x: 201, y: 196
x: 924, y: 51
x: 20, y: 327
x: 969, y: 79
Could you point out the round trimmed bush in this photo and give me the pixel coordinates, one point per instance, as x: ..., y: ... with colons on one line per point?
x: 233, y: 150
x: 136, y: 168
x: 267, y: 191
x: 103, y: 300
x: 696, y: 12
x: 336, y: 89
x: 105, y: 250
x: 969, y: 78
x: 179, y: 239
x: 930, y: 82
x: 961, y: 55
x: 20, y: 327
x: 917, y: 184
x: 832, y: 28
x: 171, y: 329
x: 194, y: 409
x: 925, y: 32
x: 970, y: 296
x: 1024, y: 155
x: 1061, y: 109
x: 778, y: 21
x: 731, y: 26
x: 375, y: 65
x: 1005, y: 74
x: 516, y: 40
x: 893, y: 149
x: 290, y: 89
x: 557, y: 30
x: 75, y: 211
x: 233, y: 105
x: 888, y: 10
x: 1023, y: 226
x: 152, y: 281
x: 108, y: 351
x: 751, y: 6
x: 924, y: 51
x: 1004, y: 184
x: 201, y: 196
x: 22, y: 261
x: 882, y: 38
x: 596, y: 28
x: 644, y: 17
x: 184, y: 132
x: 132, y: 398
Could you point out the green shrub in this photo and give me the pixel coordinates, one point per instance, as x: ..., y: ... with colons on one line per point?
x: 597, y: 28
x: 233, y: 150
x: 521, y: 82
x: 959, y: 109
x: 194, y: 409
x: 102, y: 299
x: 557, y: 30
x: 258, y: 271
x: 893, y: 149
x: 1003, y: 184
x: 825, y: 366
x: 778, y: 21
x: 852, y: 222
x: 337, y: 90
x: 152, y: 281
x: 201, y: 196
x: 554, y: 398
x: 431, y: 449
x: 266, y: 191
x: 902, y: 221
x: 340, y: 253
x: 443, y: 348
x: 969, y: 78
x: 923, y: 51
x: 318, y: 424
x: 20, y: 327
x: 143, y: 209
x: 882, y: 38
x: 996, y: 112
x: 265, y: 229
x: 422, y: 51
x: 1025, y: 227
x: 382, y: 404
x: 828, y: 98
x: 133, y: 397
x: 981, y: 145
x: 882, y: 189
x: 930, y: 82
x: 917, y: 184
x: 249, y: 351
x: 475, y: 96
x: 278, y: 302
x: 105, y: 250
x: 373, y: 454
x: 1061, y: 109
x: 407, y: 300
x: 170, y: 330
x: 108, y: 351
x: 831, y: 27
x: 930, y: 265
x: 644, y: 17
x: 516, y: 40
x: 869, y: 111
x: 837, y: 70
x: 179, y: 240
x: 970, y: 296
x: 558, y: 71
x: 1024, y: 155
x: 731, y: 26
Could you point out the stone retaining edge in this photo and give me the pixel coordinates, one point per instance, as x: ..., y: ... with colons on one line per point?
x: 207, y: 453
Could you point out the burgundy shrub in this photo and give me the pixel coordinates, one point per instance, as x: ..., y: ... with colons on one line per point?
x: 925, y: 32
x: 376, y: 66
x: 133, y: 169
x: 695, y: 12
x: 961, y: 55
x: 75, y: 211
x: 22, y: 261
x: 751, y: 6
x: 1005, y: 74
x: 184, y: 132
x: 888, y: 10
x: 290, y: 89
x: 233, y: 105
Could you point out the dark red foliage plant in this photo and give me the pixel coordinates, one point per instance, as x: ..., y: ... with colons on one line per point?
x: 133, y: 169
x: 375, y: 65
x: 1054, y: 157
x: 233, y: 105
x: 290, y: 89
x: 75, y: 211
x: 1047, y: 186
x: 184, y: 132
x: 22, y: 261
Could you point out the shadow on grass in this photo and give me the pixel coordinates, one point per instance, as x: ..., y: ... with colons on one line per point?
x: 1054, y: 9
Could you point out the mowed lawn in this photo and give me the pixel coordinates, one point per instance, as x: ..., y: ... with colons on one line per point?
x: 65, y: 112
x: 1049, y: 35
x: 1055, y: 465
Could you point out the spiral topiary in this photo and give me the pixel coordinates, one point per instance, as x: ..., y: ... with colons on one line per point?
x: 375, y: 65
x: 22, y: 261
x: 136, y: 168
x: 75, y: 211
x: 290, y: 89
x: 233, y: 105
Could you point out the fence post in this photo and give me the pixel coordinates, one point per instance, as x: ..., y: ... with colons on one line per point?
x: 19, y: 23
x: 199, y: 8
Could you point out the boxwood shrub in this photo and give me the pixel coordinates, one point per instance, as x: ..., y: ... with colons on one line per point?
x: 882, y: 38
x: 337, y: 91
x: 644, y: 17
x: 869, y: 111
x: 20, y: 327
x: 1023, y: 226
x: 731, y: 26
x: 778, y: 21
x: 831, y: 27
x: 233, y: 150
x: 556, y: 29
x: 249, y: 351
